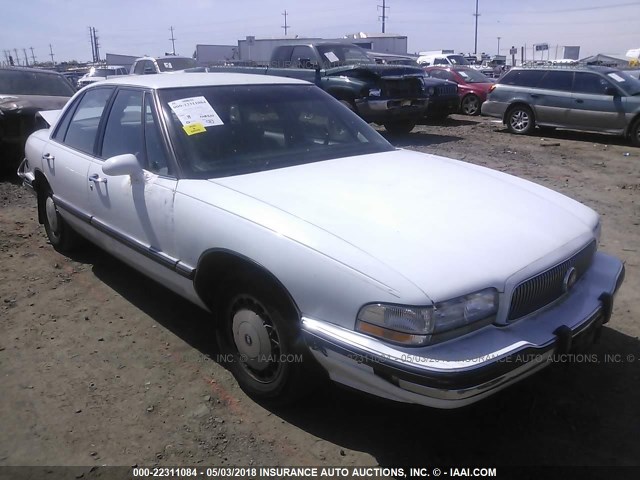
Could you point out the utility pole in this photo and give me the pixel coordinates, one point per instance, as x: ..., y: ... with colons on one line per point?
x: 173, y: 42
x: 475, y: 45
x: 499, y: 45
x: 285, y: 26
x: 17, y: 58
x: 383, y: 17
x: 51, y: 54
x: 33, y: 57
x: 95, y: 41
x: 93, y: 47
x: 26, y: 59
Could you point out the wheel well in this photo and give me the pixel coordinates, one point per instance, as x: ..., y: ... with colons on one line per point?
x: 217, y: 269
x: 39, y: 184
x: 514, y: 105
x: 632, y: 124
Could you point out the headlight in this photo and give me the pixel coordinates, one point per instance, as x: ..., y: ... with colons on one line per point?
x: 417, y: 326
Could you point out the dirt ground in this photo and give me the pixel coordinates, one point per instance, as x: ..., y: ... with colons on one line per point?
x: 100, y: 365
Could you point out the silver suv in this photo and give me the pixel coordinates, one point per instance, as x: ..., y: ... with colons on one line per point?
x: 594, y: 99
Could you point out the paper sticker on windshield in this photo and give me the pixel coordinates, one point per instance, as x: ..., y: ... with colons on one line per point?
x: 194, y: 128
x: 463, y: 74
x: 195, y: 110
x: 616, y: 77
x: 167, y: 65
x: 332, y: 57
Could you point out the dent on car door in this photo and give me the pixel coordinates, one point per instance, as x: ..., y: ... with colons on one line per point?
x: 135, y: 209
x: 594, y: 105
x: 67, y: 156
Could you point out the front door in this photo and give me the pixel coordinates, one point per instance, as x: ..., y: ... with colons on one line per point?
x: 135, y: 211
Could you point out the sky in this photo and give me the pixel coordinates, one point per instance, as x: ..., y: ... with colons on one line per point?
x: 141, y: 27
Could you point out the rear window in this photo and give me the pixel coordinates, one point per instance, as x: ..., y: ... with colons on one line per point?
x: 22, y: 82
x: 171, y: 64
x: 522, y: 78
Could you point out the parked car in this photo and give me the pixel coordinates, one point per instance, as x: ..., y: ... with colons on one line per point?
x: 472, y: 85
x: 167, y: 64
x: 24, y: 92
x: 435, y: 58
x: 592, y: 99
x: 96, y: 74
x: 266, y: 202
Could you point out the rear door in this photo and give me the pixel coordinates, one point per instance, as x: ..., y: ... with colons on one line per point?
x: 551, y: 99
x: 593, y: 105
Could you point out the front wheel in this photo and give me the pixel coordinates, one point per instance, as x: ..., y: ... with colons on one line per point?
x: 470, y: 105
x: 62, y: 237
x: 400, y: 127
x: 520, y: 120
x: 258, y: 336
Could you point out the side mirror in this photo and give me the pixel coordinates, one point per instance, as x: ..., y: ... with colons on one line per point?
x: 613, y: 91
x: 126, y: 164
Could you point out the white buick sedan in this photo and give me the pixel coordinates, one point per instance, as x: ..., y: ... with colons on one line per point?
x: 317, y: 245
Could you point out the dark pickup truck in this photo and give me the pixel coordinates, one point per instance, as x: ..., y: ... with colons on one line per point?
x: 396, y: 96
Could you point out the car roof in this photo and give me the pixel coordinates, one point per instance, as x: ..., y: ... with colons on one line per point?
x: 180, y: 79
x: 29, y: 69
x: 163, y: 57
x: 570, y: 68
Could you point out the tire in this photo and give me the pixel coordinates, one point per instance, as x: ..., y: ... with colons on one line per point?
x: 62, y: 237
x: 470, y: 105
x: 400, y: 127
x: 634, y: 133
x: 260, y: 340
x: 520, y: 120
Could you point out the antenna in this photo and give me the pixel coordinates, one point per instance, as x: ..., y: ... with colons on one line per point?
x: 384, y: 16
x: 285, y: 26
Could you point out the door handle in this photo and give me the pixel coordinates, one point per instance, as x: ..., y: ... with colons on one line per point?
x: 48, y: 157
x: 534, y: 95
x: 579, y: 100
x: 95, y: 178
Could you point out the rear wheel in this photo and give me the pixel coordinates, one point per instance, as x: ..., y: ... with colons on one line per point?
x: 62, y: 237
x: 470, y: 105
x: 259, y: 335
x: 520, y: 120
x: 400, y: 127
x: 635, y: 133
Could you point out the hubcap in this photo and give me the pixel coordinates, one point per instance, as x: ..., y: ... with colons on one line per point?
x: 52, y: 215
x: 470, y: 105
x: 256, y: 341
x: 519, y: 120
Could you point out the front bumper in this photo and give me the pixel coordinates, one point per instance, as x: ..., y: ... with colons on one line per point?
x: 389, y: 110
x: 440, y: 106
x: 467, y: 369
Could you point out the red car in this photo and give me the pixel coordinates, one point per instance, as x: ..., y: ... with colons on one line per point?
x: 473, y: 86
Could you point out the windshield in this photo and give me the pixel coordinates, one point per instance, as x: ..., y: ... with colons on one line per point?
x: 628, y: 83
x: 178, y: 63
x: 232, y: 130
x: 335, y: 55
x: 457, y: 60
x: 20, y: 82
x: 473, y: 76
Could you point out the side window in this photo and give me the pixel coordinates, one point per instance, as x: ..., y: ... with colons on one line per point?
x: 83, y: 127
x: 282, y: 57
x: 522, y: 78
x: 301, y: 56
x: 123, y: 132
x: 156, y: 157
x: 556, y: 80
x: 138, y: 68
x: 590, y: 83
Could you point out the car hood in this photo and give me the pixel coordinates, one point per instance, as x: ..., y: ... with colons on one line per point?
x: 446, y: 226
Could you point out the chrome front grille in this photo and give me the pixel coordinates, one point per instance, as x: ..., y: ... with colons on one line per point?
x: 544, y: 288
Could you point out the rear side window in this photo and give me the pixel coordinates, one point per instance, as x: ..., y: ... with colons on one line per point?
x: 522, y: 78
x: 83, y: 127
x: 590, y: 83
x: 555, y: 80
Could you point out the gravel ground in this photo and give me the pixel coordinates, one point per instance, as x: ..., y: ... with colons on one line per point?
x: 100, y: 365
